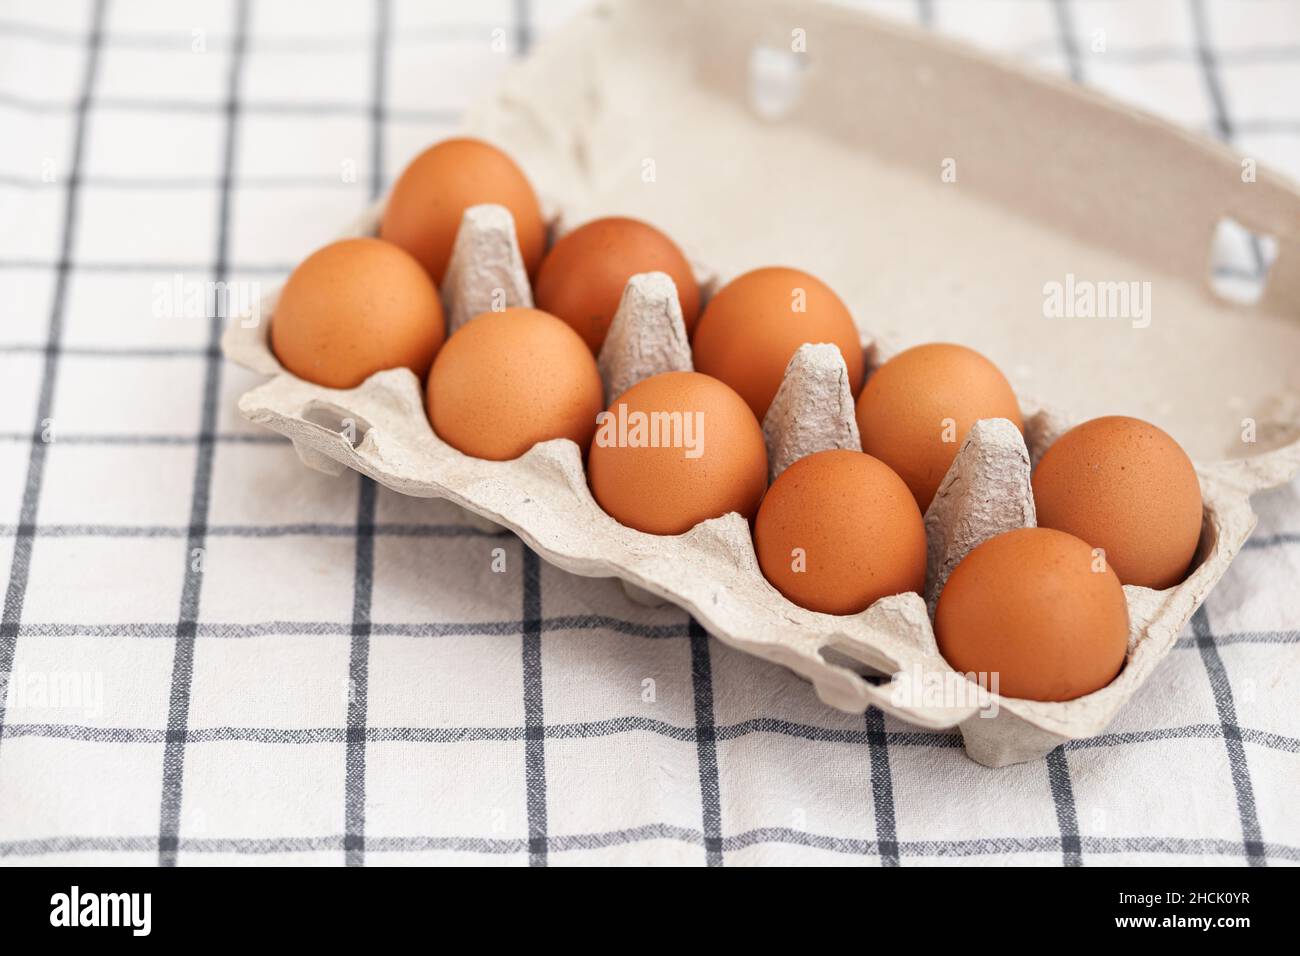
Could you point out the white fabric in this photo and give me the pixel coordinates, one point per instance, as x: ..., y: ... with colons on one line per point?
x: 496, y: 716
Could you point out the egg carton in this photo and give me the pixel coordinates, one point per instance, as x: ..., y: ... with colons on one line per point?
x: 548, y: 110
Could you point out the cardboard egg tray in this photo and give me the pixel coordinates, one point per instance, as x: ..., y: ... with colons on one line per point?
x: 829, y: 159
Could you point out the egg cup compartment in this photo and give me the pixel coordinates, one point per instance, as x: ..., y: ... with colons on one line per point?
x: 381, y: 429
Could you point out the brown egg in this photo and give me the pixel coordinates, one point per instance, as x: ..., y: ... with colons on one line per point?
x: 433, y: 192
x: 674, y: 450
x: 583, y: 276
x: 916, y: 409
x: 1125, y: 486
x: 753, y: 326
x: 354, y: 308
x: 508, y: 380
x: 837, y: 531
x: 1036, y: 608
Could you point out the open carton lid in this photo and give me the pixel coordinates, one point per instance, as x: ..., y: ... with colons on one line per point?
x: 946, y: 196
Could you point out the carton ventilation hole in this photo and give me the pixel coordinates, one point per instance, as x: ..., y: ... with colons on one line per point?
x: 775, y: 81
x: 839, y: 656
x: 337, y: 420
x: 1240, y: 261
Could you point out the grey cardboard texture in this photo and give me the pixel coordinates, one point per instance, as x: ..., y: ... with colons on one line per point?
x: 938, y: 191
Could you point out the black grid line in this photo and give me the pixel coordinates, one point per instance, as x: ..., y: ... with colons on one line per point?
x: 1252, y: 838
x: 128, y: 266
x: 163, y: 41
x: 1222, y: 125
x: 307, y: 529
x: 182, y: 681
x: 364, y: 575
x: 706, y: 744
x: 436, y: 629
x: 523, y: 20
x: 378, y: 101
x: 586, y: 730
x: 106, y: 438
x: 954, y: 848
x: 534, y: 718
x: 359, y: 677
x: 1157, y: 53
x: 104, y: 351
x: 882, y: 788
x: 24, y: 542
x: 1268, y: 126
x: 196, y: 183
x: 319, y: 108
x: 572, y: 622
x: 1069, y: 43
x: 1272, y: 541
x: 1067, y: 816
x: 1190, y: 642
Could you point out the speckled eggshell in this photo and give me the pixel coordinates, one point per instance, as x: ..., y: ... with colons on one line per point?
x: 353, y: 308
x: 508, y: 380
x: 915, y: 410
x: 661, y: 490
x: 428, y: 200
x: 837, y: 531
x: 583, y: 276
x: 1124, y: 485
x: 1037, y: 608
x: 753, y: 326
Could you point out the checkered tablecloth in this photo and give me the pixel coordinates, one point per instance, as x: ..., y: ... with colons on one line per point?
x: 216, y: 655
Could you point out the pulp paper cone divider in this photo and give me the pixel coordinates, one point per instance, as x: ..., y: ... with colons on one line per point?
x: 381, y: 429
